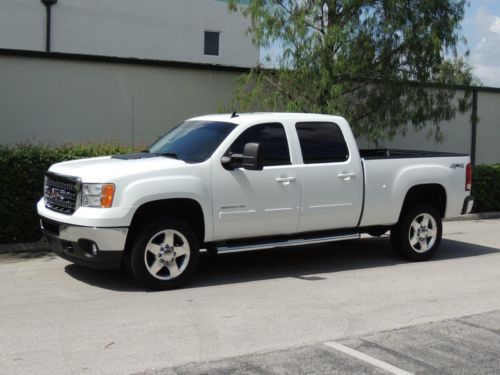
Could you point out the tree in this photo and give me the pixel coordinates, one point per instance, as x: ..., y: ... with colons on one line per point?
x: 385, y: 65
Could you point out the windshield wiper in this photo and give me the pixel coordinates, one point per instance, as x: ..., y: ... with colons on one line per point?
x: 172, y: 155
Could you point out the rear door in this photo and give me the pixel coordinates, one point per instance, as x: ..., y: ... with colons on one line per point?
x: 331, y: 178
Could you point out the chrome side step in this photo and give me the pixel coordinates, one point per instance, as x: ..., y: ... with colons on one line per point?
x: 236, y: 248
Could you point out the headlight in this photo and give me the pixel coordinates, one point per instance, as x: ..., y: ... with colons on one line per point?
x: 98, y: 195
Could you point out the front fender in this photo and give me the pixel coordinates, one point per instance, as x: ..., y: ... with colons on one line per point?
x: 142, y: 191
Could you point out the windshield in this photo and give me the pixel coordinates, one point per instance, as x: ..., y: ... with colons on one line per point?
x: 192, y: 141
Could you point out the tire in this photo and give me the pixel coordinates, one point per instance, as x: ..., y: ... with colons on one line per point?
x: 417, y: 235
x: 164, y: 254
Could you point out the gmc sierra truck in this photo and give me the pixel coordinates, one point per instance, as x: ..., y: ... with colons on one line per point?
x: 240, y: 182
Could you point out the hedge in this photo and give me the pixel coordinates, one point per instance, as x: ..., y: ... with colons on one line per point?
x: 486, y: 188
x: 22, y: 169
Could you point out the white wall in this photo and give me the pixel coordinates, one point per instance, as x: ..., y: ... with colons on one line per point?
x: 57, y: 101
x: 53, y: 100
x: 146, y: 29
x: 457, y: 137
x: 488, y: 128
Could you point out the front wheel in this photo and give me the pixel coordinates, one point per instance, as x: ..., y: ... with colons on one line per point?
x: 418, y: 233
x: 165, y: 254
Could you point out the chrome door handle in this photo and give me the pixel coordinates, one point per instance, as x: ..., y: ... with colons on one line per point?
x: 285, y: 180
x: 346, y: 176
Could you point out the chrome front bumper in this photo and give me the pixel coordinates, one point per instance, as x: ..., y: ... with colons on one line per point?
x: 89, y: 246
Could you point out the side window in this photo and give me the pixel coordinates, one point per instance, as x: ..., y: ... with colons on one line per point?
x: 321, y: 142
x: 272, y: 139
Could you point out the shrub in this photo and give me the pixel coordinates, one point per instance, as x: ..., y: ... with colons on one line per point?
x: 486, y: 188
x: 22, y: 169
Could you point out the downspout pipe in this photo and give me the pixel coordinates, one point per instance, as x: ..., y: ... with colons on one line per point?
x: 48, y: 5
x: 474, y: 118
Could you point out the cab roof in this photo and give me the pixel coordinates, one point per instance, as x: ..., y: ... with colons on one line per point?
x: 241, y: 118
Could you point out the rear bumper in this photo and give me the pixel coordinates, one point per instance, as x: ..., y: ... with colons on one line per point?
x: 89, y: 246
x: 467, y: 206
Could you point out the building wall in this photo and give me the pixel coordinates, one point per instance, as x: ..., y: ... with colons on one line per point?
x: 56, y: 101
x: 457, y: 137
x: 145, y: 29
x: 488, y: 128
x: 458, y: 132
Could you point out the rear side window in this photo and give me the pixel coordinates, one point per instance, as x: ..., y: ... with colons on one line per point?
x: 321, y: 142
x: 272, y: 139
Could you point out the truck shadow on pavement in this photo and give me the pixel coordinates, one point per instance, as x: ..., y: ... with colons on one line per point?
x: 299, y: 262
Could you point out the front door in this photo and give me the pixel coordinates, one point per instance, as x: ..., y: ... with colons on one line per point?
x: 257, y: 203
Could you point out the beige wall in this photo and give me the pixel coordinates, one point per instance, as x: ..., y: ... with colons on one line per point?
x: 488, y: 128
x: 57, y: 101
x: 458, y: 133
x: 144, y: 29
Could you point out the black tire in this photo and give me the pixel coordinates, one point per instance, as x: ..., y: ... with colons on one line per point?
x: 403, y: 232
x: 140, y: 259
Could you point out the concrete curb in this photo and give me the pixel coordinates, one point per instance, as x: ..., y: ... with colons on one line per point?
x: 24, y: 247
x: 478, y: 216
x: 44, y: 246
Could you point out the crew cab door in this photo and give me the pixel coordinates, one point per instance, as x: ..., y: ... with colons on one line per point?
x: 249, y: 203
x: 331, y: 177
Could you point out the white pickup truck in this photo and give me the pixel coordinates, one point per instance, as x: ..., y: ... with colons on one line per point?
x: 240, y: 182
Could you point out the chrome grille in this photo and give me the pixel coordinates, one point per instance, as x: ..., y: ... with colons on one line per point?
x: 61, y: 193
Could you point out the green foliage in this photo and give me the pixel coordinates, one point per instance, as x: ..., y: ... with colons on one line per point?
x: 384, y: 65
x: 22, y: 170
x: 486, y: 188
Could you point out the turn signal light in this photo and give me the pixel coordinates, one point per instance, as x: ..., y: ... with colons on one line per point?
x: 107, y: 194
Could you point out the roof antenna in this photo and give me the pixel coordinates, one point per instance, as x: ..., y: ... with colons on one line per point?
x: 234, y: 115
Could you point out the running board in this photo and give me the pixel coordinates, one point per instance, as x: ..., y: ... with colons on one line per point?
x: 236, y: 248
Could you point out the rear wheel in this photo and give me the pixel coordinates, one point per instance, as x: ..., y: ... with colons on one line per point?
x: 165, y: 254
x: 418, y: 234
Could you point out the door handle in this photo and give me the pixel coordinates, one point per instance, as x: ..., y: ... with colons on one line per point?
x: 285, y: 180
x: 346, y: 176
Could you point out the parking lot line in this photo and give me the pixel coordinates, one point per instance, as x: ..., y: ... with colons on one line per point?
x: 366, y: 358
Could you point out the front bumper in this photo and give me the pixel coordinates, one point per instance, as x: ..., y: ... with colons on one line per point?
x: 89, y: 246
x: 468, y: 203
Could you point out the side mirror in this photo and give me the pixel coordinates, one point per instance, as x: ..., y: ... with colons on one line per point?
x: 251, y: 159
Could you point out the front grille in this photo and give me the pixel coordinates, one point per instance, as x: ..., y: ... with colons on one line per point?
x: 61, y: 193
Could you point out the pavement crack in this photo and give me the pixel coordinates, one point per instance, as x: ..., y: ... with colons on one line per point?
x: 495, y: 331
x: 109, y: 345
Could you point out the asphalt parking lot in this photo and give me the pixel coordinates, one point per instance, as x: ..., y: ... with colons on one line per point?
x: 350, y: 307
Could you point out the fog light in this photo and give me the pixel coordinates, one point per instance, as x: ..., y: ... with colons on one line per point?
x: 94, y: 249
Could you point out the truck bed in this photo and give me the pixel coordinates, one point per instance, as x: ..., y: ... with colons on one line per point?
x: 386, y: 153
x: 389, y: 175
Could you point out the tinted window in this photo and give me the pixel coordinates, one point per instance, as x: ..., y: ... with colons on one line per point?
x: 321, y: 142
x: 211, y: 43
x: 272, y: 139
x: 193, y: 141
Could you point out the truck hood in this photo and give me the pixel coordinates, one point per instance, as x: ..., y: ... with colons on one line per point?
x: 108, y: 169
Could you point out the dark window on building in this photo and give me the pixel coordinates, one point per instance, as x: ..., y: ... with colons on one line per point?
x: 212, y: 43
x: 321, y: 142
x: 272, y: 139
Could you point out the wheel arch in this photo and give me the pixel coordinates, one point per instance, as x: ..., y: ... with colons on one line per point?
x: 433, y: 194
x: 186, y: 209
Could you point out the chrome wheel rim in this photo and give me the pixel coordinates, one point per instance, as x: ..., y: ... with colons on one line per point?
x: 422, y: 233
x: 167, y: 254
